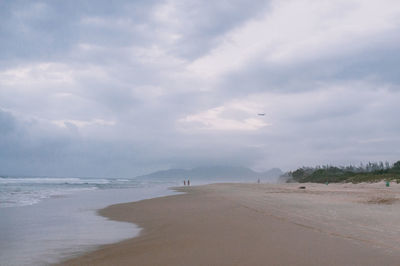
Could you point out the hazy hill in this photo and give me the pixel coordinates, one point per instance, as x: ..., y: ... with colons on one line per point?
x: 233, y: 173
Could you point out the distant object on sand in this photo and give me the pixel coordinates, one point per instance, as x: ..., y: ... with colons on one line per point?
x: 302, y: 187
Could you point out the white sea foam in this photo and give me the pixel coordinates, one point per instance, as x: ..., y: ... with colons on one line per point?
x: 51, y: 180
x: 22, y: 191
x: 30, y: 197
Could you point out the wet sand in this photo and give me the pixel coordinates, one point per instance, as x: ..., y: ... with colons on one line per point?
x: 251, y: 224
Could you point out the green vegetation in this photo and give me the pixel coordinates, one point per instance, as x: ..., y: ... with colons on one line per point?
x: 372, y: 172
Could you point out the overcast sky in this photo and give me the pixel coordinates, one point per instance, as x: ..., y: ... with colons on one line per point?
x: 121, y: 88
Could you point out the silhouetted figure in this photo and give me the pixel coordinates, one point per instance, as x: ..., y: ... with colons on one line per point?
x: 258, y: 181
x: 184, y: 182
x: 188, y: 182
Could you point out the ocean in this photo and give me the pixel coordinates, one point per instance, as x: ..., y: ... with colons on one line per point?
x: 44, y: 220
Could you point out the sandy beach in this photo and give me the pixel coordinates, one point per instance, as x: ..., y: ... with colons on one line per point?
x: 259, y: 224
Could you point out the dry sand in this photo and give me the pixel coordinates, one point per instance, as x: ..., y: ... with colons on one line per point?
x: 251, y: 224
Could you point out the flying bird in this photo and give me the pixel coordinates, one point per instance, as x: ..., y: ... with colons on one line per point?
x: 261, y: 114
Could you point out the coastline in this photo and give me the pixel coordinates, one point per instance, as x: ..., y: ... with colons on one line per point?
x: 250, y: 224
x: 58, y: 228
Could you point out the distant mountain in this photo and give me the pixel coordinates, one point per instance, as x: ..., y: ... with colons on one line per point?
x: 220, y: 173
x: 171, y: 173
x: 273, y: 173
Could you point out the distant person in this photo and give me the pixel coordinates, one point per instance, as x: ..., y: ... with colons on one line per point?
x: 188, y: 182
x: 258, y: 181
x: 184, y: 182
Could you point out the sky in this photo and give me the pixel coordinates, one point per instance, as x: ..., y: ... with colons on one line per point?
x: 123, y: 88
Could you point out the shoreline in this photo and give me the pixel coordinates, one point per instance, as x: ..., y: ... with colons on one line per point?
x: 250, y: 224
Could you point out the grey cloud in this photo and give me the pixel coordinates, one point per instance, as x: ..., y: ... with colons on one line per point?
x: 204, y: 24
x: 115, y: 66
x: 376, y: 64
x: 50, y: 30
x: 7, y: 123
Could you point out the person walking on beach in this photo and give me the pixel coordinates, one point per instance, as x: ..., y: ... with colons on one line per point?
x: 184, y: 182
x: 188, y: 182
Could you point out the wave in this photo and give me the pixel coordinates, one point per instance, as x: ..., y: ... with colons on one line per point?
x: 22, y: 191
x: 30, y: 197
x: 52, y: 180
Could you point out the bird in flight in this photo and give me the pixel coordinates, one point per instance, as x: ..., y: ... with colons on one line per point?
x: 261, y: 114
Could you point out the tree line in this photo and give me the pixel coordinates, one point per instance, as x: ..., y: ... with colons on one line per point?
x: 370, y: 172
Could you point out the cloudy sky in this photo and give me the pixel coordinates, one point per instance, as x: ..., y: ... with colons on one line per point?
x: 121, y: 88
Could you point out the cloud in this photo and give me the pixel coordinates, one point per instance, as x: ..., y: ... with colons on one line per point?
x: 123, y: 88
x: 83, y: 123
x: 7, y: 123
x: 300, y: 31
x: 234, y: 116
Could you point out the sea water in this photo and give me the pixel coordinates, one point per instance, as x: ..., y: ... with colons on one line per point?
x: 44, y: 220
